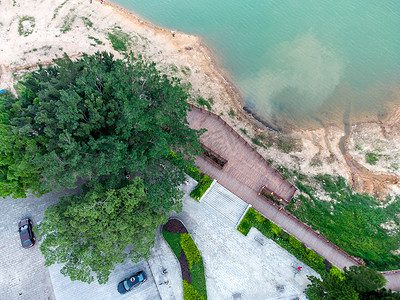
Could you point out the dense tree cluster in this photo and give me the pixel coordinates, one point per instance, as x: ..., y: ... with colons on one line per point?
x: 352, y: 284
x: 112, y: 123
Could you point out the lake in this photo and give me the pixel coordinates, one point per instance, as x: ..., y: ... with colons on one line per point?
x: 297, y: 63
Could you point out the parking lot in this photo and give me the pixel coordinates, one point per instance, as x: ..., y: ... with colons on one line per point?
x: 22, y: 272
x: 65, y: 289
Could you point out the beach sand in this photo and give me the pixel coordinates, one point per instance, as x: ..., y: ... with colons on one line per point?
x: 51, y: 28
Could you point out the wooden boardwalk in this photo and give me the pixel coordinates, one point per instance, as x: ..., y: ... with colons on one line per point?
x: 244, y: 174
x: 244, y: 163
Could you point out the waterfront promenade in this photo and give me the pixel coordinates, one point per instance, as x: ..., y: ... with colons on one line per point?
x: 245, y: 173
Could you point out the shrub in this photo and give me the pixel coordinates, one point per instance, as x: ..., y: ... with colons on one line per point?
x: 173, y: 239
x: 260, y: 218
x: 244, y: 227
x: 189, y: 247
x: 26, y: 29
x: 314, y: 257
x: 203, y: 102
x: 372, y: 158
x: 194, y: 173
x: 256, y: 141
x: 336, y: 272
x: 275, y: 229
x: 189, y: 293
x: 198, y: 278
x: 295, y: 243
x: 201, y: 188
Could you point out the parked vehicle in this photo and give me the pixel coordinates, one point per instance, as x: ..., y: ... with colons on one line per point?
x: 26, y: 233
x: 131, y: 282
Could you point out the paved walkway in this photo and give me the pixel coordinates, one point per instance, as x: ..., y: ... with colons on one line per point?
x: 235, y: 263
x: 243, y: 178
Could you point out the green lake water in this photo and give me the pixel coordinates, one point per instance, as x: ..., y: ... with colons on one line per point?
x: 297, y: 62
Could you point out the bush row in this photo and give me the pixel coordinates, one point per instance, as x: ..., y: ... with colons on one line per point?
x: 201, y: 187
x: 283, y: 239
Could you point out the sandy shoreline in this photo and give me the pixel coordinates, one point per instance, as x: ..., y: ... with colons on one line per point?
x: 74, y: 26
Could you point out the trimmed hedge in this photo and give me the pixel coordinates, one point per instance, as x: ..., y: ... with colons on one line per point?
x: 201, y: 187
x: 174, y: 241
x: 189, y: 292
x: 198, y: 278
x: 183, y: 241
x: 192, y: 253
x: 283, y: 239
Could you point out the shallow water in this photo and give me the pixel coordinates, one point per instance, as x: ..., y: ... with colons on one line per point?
x: 297, y: 62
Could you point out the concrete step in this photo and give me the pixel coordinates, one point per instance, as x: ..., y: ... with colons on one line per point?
x: 226, y: 203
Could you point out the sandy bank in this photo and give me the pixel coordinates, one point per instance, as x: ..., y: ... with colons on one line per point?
x: 38, y: 31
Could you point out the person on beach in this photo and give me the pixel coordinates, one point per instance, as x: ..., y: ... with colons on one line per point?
x: 102, y: 1
x: 173, y: 33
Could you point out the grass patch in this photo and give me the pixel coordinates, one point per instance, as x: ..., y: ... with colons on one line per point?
x: 174, y: 241
x: 26, y: 25
x: 68, y: 21
x: 287, y: 145
x: 372, y: 158
x: 352, y: 221
x: 201, y: 187
x: 205, y: 103
x: 119, y: 39
x: 231, y: 113
x: 257, y: 142
x: 98, y: 42
x: 88, y: 23
x: 186, y: 71
x: 58, y: 8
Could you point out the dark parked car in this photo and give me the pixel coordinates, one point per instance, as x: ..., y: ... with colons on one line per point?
x: 25, y: 233
x: 131, y: 282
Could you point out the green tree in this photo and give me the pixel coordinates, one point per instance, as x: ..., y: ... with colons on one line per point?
x: 101, y: 119
x: 364, y: 279
x: 381, y: 294
x: 330, y: 287
x: 18, y: 148
x: 92, y: 232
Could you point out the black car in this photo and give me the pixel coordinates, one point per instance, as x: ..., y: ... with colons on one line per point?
x: 131, y: 282
x: 25, y: 233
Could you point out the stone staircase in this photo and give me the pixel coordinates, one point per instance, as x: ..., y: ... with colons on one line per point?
x: 224, y: 202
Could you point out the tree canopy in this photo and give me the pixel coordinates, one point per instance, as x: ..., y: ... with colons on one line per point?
x: 100, y: 119
x: 364, y: 279
x: 98, y: 229
x: 113, y: 123
x: 357, y: 282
